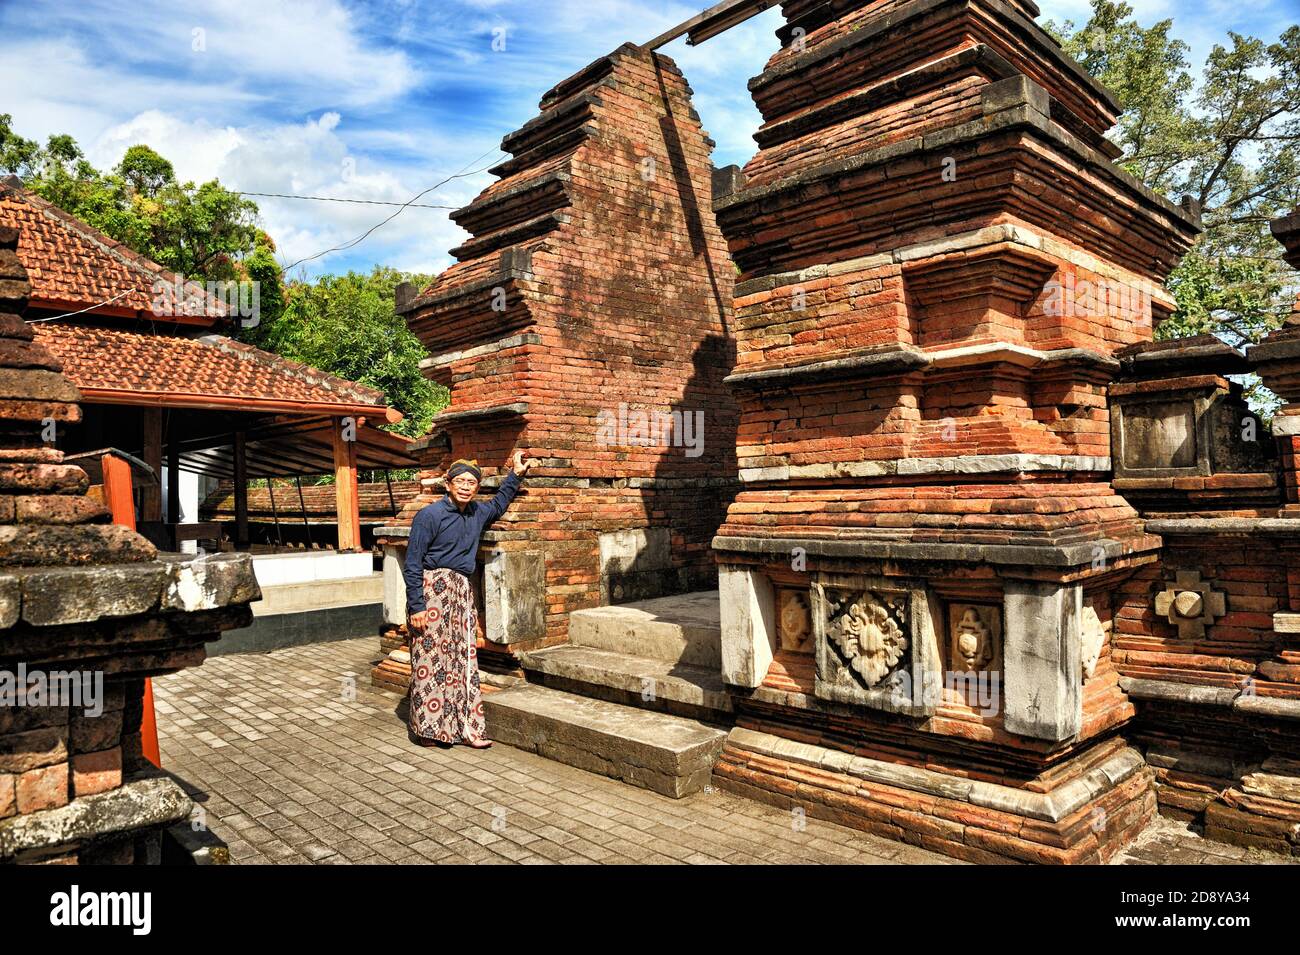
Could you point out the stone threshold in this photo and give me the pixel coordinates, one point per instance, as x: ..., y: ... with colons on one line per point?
x: 1048, y: 807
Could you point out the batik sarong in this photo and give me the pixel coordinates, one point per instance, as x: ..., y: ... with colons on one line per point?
x: 445, y: 701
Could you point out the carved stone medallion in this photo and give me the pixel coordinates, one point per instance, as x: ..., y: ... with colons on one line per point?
x: 868, y: 633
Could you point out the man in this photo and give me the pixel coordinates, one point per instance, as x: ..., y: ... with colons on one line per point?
x: 446, y: 705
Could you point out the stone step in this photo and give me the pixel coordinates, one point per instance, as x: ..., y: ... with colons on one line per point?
x: 665, y: 754
x: 680, y: 629
x: 642, y: 682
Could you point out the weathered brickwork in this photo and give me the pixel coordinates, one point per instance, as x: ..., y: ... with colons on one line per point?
x: 588, y: 323
x: 938, y: 264
x: 998, y: 574
x: 87, y: 612
x: 1208, y: 642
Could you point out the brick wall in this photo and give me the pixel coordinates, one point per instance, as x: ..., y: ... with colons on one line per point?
x: 612, y: 289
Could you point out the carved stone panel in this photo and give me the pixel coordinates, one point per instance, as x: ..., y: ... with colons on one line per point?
x: 1093, y: 635
x: 794, y: 621
x: 1160, y: 436
x: 974, y: 638
x: 875, y: 642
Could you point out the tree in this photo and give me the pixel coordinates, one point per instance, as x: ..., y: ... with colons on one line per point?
x: 1231, y: 143
x: 200, y: 231
x: 347, y: 325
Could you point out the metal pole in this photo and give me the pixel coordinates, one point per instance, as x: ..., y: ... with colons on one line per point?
x: 270, y: 490
x: 303, y: 506
x: 391, y: 500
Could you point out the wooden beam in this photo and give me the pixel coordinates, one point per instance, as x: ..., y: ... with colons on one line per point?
x: 717, y: 19
x: 345, y: 487
x: 241, y: 492
x: 151, y: 441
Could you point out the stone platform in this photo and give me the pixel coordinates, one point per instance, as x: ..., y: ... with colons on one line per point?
x: 662, y: 654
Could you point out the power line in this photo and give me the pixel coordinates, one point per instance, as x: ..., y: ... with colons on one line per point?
x: 366, y: 202
x: 365, y: 235
x: 88, y: 308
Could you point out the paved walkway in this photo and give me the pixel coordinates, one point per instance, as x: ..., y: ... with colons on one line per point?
x: 293, y: 757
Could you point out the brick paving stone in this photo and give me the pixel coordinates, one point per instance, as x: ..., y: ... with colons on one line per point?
x: 335, y: 781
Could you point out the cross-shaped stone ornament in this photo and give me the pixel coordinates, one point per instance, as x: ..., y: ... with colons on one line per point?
x: 1191, y: 604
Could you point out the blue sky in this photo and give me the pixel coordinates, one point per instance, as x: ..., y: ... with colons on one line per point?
x: 380, y: 100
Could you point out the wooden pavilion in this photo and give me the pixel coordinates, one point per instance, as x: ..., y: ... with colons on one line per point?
x: 165, y: 384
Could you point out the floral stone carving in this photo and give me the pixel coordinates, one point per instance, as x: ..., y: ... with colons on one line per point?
x: 876, y: 642
x: 1191, y: 604
x: 869, y: 637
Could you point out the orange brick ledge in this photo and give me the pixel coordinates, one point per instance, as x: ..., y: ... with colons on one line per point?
x: 1096, y: 804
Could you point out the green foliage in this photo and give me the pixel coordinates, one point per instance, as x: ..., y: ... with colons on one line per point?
x: 1231, y: 143
x: 201, y: 231
x: 344, y: 325
x: 347, y: 325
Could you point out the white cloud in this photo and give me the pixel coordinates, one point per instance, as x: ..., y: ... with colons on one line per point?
x: 378, y: 101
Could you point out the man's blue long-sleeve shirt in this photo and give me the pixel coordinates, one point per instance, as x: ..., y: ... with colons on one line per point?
x: 442, y: 535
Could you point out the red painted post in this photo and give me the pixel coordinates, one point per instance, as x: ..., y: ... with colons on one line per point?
x: 121, y: 504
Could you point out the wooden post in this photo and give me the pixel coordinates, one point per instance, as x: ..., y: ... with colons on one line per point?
x: 117, y: 490
x: 388, y: 479
x: 275, y: 516
x: 241, y: 493
x: 121, y: 504
x: 345, y: 484
x: 173, y: 479
x: 151, y: 442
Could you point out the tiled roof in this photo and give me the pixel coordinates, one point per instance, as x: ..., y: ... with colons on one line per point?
x: 72, y: 265
x: 208, y: 371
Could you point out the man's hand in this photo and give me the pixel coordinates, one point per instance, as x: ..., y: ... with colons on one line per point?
x: 417, y: 621
x: 522, y: 466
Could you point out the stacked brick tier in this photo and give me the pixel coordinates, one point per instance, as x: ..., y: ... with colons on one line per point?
x: 592, y: 300
x: 938, y: 264
x: 84, y: 604
x: 1208, y: 643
